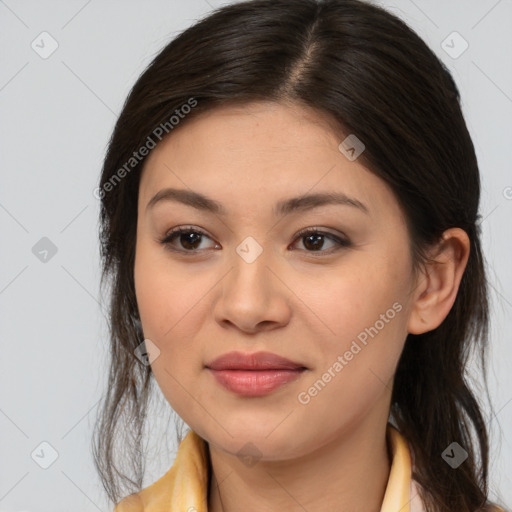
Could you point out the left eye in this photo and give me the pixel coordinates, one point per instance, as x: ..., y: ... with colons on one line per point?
x: 313, y: 240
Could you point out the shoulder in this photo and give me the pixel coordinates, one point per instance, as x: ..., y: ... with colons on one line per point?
x: 131, y: 503
x: 184, y: 484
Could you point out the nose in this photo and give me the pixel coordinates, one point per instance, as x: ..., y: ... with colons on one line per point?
x: 253, y: 296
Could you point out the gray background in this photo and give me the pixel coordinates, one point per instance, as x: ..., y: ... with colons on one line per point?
x: 57, y: 114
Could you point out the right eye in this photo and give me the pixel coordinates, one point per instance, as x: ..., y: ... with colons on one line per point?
x: 188, y: 237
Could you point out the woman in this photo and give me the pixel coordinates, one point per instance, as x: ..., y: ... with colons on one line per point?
x: 290, y: 228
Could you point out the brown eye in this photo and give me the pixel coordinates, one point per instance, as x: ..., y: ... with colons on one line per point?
x: 188, y: 238
x: 314, y: 240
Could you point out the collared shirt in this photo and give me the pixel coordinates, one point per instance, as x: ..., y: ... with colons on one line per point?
x: 184, y: 488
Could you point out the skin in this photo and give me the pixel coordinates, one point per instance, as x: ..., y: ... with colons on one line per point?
x: 302, y: 304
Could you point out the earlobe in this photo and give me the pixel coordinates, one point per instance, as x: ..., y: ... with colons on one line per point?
x: 439, y: 283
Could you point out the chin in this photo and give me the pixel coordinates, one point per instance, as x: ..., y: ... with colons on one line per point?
x: 256, y: 441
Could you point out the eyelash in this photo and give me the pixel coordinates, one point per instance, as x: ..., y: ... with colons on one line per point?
x: 174, y: 233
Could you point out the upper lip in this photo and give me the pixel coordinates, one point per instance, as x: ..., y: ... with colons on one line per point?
x: 255, y: 361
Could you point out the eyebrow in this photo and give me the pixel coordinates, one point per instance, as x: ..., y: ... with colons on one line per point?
x: 282, y: 208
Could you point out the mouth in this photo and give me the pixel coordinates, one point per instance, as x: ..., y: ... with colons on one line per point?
x: 256, y: 374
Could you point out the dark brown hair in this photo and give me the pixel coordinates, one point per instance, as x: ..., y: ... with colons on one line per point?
x: 365, y: 69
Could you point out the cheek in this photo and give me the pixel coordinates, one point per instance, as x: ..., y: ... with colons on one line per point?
x: 355, y: 298
x: 168, y: 296
x: 168, y: 308
x: 356, y: 364
x: 363, y: 321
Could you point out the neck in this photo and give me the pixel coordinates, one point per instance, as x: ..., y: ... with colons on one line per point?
x: 347, y: 474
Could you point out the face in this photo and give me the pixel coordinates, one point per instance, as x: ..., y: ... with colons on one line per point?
x: 248, y: 278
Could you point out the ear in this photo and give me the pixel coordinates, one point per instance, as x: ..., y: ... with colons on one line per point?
x: 438, y: 285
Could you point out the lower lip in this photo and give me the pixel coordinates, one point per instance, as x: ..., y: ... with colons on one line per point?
x: 255, y: 382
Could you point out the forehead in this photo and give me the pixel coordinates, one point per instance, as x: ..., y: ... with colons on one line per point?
x: 245, y: 156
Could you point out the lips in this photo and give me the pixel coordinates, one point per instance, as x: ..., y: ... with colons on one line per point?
x: 254, y: 375
x: 256, y: 361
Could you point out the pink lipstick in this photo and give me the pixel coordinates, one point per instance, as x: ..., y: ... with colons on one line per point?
x: 254, y: 374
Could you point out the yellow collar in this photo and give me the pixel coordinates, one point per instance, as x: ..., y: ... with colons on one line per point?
x: 185, y: 486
